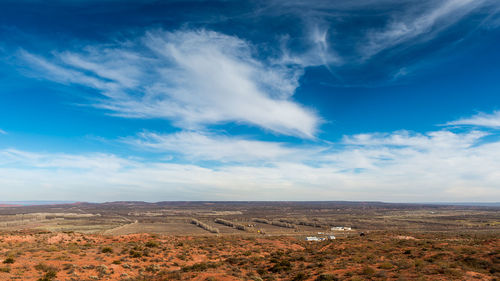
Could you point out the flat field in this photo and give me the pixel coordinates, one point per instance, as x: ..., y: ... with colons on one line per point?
x: 249, y: 241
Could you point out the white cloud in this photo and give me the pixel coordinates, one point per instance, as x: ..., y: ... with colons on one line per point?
x: 437, y: 140
x: 318, y: 49
x: 481, y: 119
x: 408, y: 23
x: 212, y: 147
x: 194, y: 78
x: 399, y: 166
x: 412, y: 24
x: 96, y: 161
x: 2, y: 132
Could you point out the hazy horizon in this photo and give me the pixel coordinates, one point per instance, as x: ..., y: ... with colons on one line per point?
x: 250, y: 101
x: 48, y: 202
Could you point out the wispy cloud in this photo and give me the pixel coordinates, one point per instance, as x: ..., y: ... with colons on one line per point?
x: 350, y: 34
x: 202, y: 146
x: 91, y: 162
x: 399, y: 166
x: 194, y: 78
x: 410, y: 25
x: 2, y: 132
x: 481, y: 120
x: 318, y: 51
x: 431, y: 140
x: 199, y: 78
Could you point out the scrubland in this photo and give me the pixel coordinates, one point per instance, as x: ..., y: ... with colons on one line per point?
x: 252, y: 242
x: 375, y: 256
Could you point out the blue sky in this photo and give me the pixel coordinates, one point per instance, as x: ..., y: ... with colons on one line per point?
x: 260, y: 100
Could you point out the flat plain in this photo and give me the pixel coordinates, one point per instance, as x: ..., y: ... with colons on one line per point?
x: 249, y: 241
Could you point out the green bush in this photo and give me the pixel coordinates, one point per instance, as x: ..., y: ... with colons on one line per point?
x: 151, y: 244
x: 45, y: 268
x: 202, y: 266
x: 48, y: 276
x: 386, y: 265
x: 326, y: 277
x: 368, y: 271
x: 107, y: 250
x: 281, y: 266
x: 474, y: 263
x: 300, y: 276
x: 135, y: 254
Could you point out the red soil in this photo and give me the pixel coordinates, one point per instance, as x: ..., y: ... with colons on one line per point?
x: 73, y: 256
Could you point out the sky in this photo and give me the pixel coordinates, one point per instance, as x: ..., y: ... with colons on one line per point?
x: 362, y: 100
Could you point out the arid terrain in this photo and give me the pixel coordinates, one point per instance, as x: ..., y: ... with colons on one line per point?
x: 249, y: 241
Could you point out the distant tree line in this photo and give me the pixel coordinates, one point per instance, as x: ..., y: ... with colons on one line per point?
x: 276, y: 223
x: 231, y: 224
x: 204, y: 226
x: 306, y: 223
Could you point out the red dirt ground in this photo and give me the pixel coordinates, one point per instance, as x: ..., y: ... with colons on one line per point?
x: 377, y: 256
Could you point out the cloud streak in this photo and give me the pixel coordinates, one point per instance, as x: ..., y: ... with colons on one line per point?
x: 408, y: 27
x: 398, y: 166
x: 194, y: 78
x: 354, y: 36
x: 200, y: 79
x: 480, y: 120
x: 202, y: 146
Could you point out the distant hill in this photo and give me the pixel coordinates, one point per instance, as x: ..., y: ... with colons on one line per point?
x: 32, y: 203
x: 472, y: 204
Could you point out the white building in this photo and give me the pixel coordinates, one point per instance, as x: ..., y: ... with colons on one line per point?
x: 341, y: 228
x: 312, y: 238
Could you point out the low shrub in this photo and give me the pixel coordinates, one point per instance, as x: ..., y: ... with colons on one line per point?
x: 368, y: 271
x: 386, y: 265
x: 151, y: 244
x: 107, y: 250
x: 326, y: 277
x: 48, y: 276
x: 202, y: 266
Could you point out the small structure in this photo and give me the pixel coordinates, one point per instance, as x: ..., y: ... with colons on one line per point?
x: 331, y: 237
x: 316, y: 239
x: 341, y: 228
x: 312, y: 238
